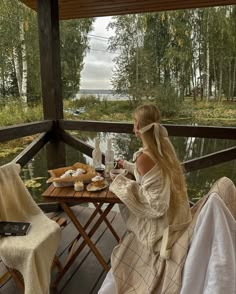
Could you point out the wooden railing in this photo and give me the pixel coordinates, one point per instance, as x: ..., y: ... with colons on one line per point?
x: 49, y: 131
x: 46, y: 130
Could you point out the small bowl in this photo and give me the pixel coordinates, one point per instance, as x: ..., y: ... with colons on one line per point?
x: 119, y: 171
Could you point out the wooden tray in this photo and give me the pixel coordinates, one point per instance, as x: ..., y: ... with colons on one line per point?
x: 86, y: 177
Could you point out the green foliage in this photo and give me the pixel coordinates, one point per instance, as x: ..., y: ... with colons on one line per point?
x: 74, y: 43
x: 208, y: 113
x: 167, y: 100
x: 86, y: 101
x: 191, y: 50
x: 21, y: 113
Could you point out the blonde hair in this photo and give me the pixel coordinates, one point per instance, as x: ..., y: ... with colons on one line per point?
x: 169, y: 163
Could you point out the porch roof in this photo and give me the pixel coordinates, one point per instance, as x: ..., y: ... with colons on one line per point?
x: 71, y: 9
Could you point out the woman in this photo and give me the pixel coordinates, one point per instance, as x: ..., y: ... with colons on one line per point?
x: 156, y: 209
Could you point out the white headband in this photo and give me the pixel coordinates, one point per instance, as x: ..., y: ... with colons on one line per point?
x: 157, y: 128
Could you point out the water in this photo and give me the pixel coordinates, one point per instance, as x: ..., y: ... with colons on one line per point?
x: 199, y: 182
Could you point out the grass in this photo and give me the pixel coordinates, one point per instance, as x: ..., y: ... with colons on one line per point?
x: 208, y: 113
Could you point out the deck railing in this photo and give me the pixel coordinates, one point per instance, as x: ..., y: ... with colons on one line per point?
x: 51, y: 131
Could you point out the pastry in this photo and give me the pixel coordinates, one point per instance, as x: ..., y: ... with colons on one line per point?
x: 77, y: 172
x: 71, y: 174
x: 78, y: 186
x: 98, y: 181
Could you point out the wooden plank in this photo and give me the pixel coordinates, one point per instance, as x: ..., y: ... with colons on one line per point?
x: 210, y: 159
x: 32, y: 149
x: 131, y: 8
x: 8, y: 286
x: 96, y: 126
x: 23, y: 130
x: 79, y: 9
x: 87, y: 275
x: 173, y: 130
x: 83, y: 216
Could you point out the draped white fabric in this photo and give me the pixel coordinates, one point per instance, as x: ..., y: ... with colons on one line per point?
x: 32, y: 255
x: 210, y: 267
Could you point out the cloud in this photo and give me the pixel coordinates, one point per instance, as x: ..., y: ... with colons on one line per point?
x: 98, y: 62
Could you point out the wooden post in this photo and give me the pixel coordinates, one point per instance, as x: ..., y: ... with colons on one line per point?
x: 49, y: 44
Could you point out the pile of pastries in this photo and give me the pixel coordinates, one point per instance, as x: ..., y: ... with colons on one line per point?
x: 67, y: 176
x: 76, y: 175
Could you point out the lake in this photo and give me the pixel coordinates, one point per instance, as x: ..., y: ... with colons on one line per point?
x: 199, y: 182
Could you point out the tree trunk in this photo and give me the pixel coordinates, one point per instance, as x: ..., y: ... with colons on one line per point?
x: 234, y: 77
x: 207, y: 72
x: 207, y: 59
x: 230, y: 82
x: 17, y: 70
x: 214, y: 73
x: 220, y: 80
x: 24, y: 63
x: 3, y: 78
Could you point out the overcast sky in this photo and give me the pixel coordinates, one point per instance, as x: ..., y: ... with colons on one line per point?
x: 98, y: 64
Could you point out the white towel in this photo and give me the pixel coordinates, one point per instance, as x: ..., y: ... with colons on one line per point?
x: 210, y: 267
x: 32, y: 255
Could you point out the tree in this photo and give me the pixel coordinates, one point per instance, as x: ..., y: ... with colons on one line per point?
x: 74, y: 43
x: 129, y: 73
x: 19, y: 52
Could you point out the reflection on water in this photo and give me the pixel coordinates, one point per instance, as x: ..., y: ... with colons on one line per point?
x: 199, y: 182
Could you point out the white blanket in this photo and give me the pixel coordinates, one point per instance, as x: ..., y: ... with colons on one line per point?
x: 32, y: 255
x: 210, y: 267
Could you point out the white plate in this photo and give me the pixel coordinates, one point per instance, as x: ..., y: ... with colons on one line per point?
x: 92, y: 188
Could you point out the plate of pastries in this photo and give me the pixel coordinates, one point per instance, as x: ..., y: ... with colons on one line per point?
x: 97, y: 183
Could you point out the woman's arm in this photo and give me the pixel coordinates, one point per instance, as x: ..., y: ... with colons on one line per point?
x: 129, y: 166
x: 150, y: 200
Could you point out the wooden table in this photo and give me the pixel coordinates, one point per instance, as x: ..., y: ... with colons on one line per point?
x: 65, y: 196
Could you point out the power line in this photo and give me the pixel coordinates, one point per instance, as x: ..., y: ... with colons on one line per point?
x: 95, y: 36
x: 98, y: 50
x: 106, y: 51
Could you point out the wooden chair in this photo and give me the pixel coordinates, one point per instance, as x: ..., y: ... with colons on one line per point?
x: 17, y: 277
x: 24, y: 253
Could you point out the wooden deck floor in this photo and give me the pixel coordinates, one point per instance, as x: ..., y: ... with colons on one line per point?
x: 86, y: 274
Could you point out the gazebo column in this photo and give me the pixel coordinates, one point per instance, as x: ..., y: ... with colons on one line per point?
x: 49, y: 44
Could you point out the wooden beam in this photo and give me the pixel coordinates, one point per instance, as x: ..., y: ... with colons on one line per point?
x: 78, y: 144
x: 96, y: 126
x: 173, y: 130
x: 132, y: 7
x: 32, y: 149
x: 72, y: 9
x: 23, y: 130
x: 210, y: 160
x: 202, y: 131
x: 49, y: 44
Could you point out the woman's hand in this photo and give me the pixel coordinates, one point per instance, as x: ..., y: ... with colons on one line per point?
x: 120, y: 163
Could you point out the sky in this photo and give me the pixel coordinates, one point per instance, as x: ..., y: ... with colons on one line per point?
x: 98, y: 63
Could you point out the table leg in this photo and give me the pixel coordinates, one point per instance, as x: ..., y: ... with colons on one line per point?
x: 70, y: 249
x: 86, y: 238
x: 98, y: 206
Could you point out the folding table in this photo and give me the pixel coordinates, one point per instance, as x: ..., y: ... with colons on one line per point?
x: 65, y: 196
